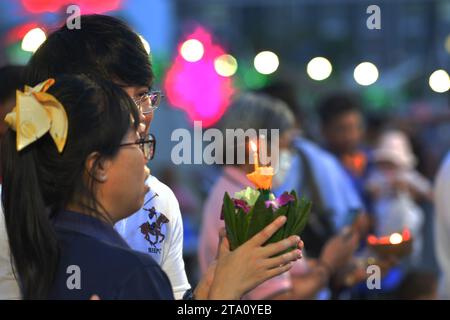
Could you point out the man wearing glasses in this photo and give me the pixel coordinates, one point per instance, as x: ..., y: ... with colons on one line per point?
x: 157, y: 228
x: 108, y: 48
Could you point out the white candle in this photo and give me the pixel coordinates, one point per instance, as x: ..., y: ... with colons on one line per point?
x: 255, y: 154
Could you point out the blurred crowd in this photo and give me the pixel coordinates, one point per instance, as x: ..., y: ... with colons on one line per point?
x: 379, y: 182
x: 371, y: 173
x: 365, y: 176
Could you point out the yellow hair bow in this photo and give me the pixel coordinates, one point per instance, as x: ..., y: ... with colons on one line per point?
x: 36, y: 113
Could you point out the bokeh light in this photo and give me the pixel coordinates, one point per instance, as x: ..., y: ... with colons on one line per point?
x: 319, y: 68
x: 366, y: 73
x: 145, y: 44
x: 192, y: 50
x: 225, y: 65
x: 395, y: 238
x: 266, y: 62
x: 33, y: 40
x: 197, y: 88
x: 447, y: 44
x: 439, y: 81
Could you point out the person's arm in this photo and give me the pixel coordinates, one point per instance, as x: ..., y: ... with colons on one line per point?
x: 309, y: 285
x: 173, y: 264
x: 277, y: 288
x: 303, y: 287
x: 336, y: 253
x: 420, y: 187
x: 442, y: 226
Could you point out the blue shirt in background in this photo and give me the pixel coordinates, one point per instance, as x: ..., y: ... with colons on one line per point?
x: 336, y: 188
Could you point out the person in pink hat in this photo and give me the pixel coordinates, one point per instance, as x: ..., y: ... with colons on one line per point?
x: 396, y: 188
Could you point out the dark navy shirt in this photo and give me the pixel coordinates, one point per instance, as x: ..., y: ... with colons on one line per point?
x: 94, y: 259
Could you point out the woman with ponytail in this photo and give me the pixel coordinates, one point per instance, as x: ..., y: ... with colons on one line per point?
x: 73, y: 165
x: 62, y: 157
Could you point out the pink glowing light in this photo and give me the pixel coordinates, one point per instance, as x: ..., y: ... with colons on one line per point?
x: 17, y: 33
x: 195, y: 87
x: 86, y: 6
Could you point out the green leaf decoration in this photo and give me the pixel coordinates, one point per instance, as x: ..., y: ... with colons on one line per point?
x: 261, y: 217
x: 291, y: 215
x: 242, y: 226
x: 304, y: 210
x: 230, y: 223
x: 279, y: 235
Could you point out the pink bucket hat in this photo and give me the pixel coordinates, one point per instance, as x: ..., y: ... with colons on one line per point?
x: 394, y: 146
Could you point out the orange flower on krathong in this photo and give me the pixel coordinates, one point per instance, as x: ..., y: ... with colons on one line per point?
x: 262, y: 177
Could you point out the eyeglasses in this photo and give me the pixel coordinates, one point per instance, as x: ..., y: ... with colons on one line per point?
x: 149, y: 101
x: 147, y: 145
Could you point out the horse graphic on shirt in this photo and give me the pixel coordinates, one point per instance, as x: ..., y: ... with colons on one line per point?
x: 154, y: 229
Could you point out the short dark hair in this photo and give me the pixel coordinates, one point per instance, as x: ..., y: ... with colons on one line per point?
x: 336, y: 105
x: 11, y: 79
x: 104, y: 47
x: 285, y: 91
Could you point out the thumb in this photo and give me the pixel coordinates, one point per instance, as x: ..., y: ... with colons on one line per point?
x: 222, y: 235
x: 354, y: 241
x: 224, y: 248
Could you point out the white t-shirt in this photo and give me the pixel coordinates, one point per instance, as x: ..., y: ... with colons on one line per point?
x: 9, y: 289
x: 157, y: 229
x: 442, y: 225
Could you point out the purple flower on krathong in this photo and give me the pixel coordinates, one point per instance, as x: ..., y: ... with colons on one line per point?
x: 271, y: 203
x: 282, y: 200
x: 241, y: 204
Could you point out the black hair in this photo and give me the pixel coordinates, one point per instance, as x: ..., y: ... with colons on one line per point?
x: 104, y: 47
x: 38, y: 180
x: 11, y: 79
x: 285, y: 91
x: 335, y: 105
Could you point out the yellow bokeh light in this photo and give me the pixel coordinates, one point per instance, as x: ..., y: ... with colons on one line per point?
x: 225, y: 65
x: 447, y: 44
x: 396, y: 238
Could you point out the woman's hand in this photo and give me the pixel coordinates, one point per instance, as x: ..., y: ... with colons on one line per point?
x: 241, y: 270
x: 362, y: 224
x: 201, y: 292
